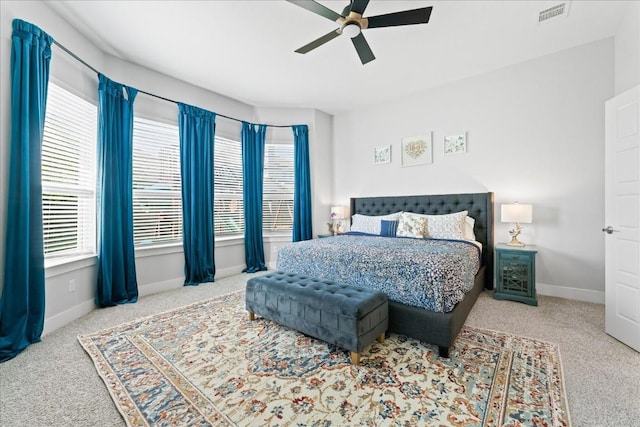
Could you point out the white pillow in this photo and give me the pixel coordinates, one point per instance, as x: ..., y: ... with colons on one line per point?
x: 469, y: 222
x: 412, y: 225
x: 449, y: 226
x: 371, y: 224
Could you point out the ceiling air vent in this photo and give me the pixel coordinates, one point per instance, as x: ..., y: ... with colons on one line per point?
x: 553, y: 12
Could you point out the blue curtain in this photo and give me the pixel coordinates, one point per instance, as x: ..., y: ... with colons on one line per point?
x: 302, y: 185
x: 252, y: 170
x: 116, y: 259
x: 197, y: 133
x: 23, y: 293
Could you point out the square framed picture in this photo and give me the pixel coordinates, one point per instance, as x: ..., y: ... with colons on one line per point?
x: 417, y: 150
x: 382, y: 155
x: 455, y: 144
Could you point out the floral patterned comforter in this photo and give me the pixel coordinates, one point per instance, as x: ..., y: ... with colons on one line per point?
x: 429, y: 273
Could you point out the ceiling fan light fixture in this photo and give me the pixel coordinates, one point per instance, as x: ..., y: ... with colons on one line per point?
x: 351, y: 30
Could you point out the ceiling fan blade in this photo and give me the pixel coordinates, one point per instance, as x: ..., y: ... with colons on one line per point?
x: 363, y: 49
x: 317, y: 8
x: 319, y: 41
x: 359, y: 6
x: 407, y: 17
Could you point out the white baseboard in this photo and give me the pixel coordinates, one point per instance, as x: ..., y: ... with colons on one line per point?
x: 57, y: 321
x: 178, y: 282
x: 165, y: 285
x: 577, y: 294
x: 61, y: 319
x: 229, y: 271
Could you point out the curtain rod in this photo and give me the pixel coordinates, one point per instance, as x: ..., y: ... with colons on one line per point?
x: 77, y: 58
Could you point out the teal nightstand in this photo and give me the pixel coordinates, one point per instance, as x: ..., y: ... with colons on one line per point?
x: 516, y: 273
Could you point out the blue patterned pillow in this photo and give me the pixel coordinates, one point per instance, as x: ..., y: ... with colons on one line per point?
x: 388, y: 228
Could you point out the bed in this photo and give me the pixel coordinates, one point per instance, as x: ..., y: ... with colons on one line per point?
x: 366, y: 260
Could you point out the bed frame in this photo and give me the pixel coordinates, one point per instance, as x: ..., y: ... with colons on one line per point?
x: 440, y: 329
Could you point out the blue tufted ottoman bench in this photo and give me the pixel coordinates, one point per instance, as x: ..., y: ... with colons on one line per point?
x: 348, y: 316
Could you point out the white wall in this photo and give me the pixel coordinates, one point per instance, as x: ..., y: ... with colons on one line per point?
x: 627, y: 50
x: 535, y: 134
x: 157, y: 268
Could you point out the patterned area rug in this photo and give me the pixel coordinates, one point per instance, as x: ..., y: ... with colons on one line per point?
x: 208, y: 365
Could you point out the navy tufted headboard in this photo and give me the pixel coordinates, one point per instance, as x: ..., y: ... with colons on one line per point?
x: 479, y: 205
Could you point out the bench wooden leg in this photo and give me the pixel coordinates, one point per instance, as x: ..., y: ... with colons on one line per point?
x: 381, y: 338
x: 355, y: 358
x: 252, y: 316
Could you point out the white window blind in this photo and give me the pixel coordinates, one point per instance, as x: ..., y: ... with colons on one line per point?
x: 157, y: 198
x: 277, y: 204
x: 227, y: 170
x: 68, y: 174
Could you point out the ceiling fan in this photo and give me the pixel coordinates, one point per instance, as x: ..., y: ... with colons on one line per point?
x: 352, y: 23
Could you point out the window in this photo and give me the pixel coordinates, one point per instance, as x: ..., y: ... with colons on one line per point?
x: 157, y: 198
x: 68, y: 174
x: 277, y: 205
x: 227, y: 188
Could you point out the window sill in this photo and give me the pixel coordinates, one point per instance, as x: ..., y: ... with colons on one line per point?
x: 59, y: 266
x: 239, y: 239
x: 154, y: 250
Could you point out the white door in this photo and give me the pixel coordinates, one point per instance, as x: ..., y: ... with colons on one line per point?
x: 622, y: 218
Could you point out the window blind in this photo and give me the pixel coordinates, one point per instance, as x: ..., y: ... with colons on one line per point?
x: 277, y: 204
x: 68, y: 174
x: 227, y: 186
x: 157, y: 198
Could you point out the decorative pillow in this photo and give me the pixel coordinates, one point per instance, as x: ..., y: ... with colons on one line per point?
x: 449, y: 226
x: 412, y: 225
x: 388, y: 228
x: 371, y: 224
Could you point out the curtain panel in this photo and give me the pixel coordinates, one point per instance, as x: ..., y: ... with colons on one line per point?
x: 23, y: 293
x: 302, y: 229
x: 117, y: 282
x: 197, y: 135
x: 253, y: 137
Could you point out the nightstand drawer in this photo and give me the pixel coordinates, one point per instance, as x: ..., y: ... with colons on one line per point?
x: 516, y: 258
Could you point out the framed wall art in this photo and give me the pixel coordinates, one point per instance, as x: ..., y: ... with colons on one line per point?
x: 382, y: 155
x: 454, y: 144
x: 417, y: 150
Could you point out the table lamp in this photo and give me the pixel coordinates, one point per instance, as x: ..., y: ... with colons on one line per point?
x: 517, y: 213
x: 337, y: 214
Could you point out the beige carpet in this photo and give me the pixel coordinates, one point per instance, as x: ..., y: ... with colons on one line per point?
x: 54, y: 383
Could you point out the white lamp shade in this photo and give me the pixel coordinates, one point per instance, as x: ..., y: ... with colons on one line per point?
x: 516, y: 212
x: 337, y: 212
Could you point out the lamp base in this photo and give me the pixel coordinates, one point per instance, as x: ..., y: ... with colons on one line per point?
x: 514, y: 236
x: 515, y: 242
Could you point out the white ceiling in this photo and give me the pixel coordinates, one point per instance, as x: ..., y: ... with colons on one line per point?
x: 245, y: 49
